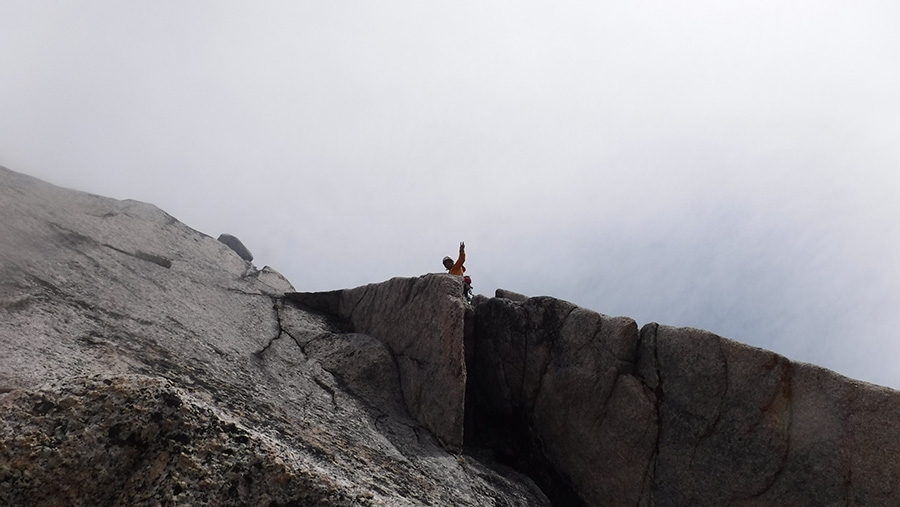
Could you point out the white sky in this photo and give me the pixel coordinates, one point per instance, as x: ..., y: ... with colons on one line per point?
x: 732, y: 166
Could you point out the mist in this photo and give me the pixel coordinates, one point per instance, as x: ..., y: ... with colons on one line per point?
x: 726, y: 167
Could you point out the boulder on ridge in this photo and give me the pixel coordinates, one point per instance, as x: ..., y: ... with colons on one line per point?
x: 237, y: 245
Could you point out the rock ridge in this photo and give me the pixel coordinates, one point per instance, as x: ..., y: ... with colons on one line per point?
x: 422, y: 322
x: 125, y: 382
x: 145, y: 363
x: 564, y: 376
x: 671, y: 416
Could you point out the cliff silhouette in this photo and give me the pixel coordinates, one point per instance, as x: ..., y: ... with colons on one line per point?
x: 145, y: 363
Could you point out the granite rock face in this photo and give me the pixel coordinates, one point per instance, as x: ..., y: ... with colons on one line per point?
x: 599, y: 414
x: 136, y: 440
x: 741, y: 425
x: 144, y: 363
x: 553, y: 389
x: 422, y: 323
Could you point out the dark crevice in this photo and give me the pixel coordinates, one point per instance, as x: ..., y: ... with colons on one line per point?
x: 658, y: 394
x: 245, y: 293
x: 144, y: 256
x: 276, y: 308
x: 554, y: 333
x: 507, y: 428
x: 720, y: 346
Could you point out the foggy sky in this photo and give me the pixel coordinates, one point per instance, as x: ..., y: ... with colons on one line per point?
x: 727, y: 167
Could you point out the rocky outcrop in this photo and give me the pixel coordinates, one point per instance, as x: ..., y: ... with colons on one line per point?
x: 599, y: 414
x: 144, y: 363
x: 553, y: 388
x: 743, y: 426
x: 422, y: 322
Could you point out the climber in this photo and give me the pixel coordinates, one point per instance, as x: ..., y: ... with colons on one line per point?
x: 457, y: 268
x: 467, y: 288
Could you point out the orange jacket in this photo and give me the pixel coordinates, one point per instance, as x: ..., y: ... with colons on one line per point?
x: 458, y: 268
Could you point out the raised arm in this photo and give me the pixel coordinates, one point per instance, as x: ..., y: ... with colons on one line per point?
x: 458, y: 268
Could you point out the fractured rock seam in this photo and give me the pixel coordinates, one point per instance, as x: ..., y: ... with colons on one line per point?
x: 71, y: 235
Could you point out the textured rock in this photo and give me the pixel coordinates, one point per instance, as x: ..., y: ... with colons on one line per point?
x: 422, y: 322
x: 563, y: 376
x: 143, y: 363
x: 743, y: 426
x: 274, y: 279
x: 599, y: 415
x: 136, y: 440
x: 508, y: 294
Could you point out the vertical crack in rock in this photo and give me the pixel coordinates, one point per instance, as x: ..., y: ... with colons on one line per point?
x: 789, y: 374
x: 553, y: 345
x: 847, y: 439
x: 649, y: 372
x: 531, y: 426
x: 710, y: 427
x: 647, y: 344
x: 786, y: 392
x: 277, y: 302
x: 361, y: 302
x: 646, y: 495
x: 523, y: 377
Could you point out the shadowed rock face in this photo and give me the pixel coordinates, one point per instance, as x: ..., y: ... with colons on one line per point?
x: 743, y: 426
x: 553, y: 389
x: 598, y: 414
x: 144, y: 363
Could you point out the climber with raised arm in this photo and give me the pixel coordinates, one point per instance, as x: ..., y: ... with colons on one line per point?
x: 457, y: 268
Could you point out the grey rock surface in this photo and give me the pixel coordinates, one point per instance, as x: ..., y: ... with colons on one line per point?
x: 237, y: 245
x: 422, y: 323
x: 143, y: 363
